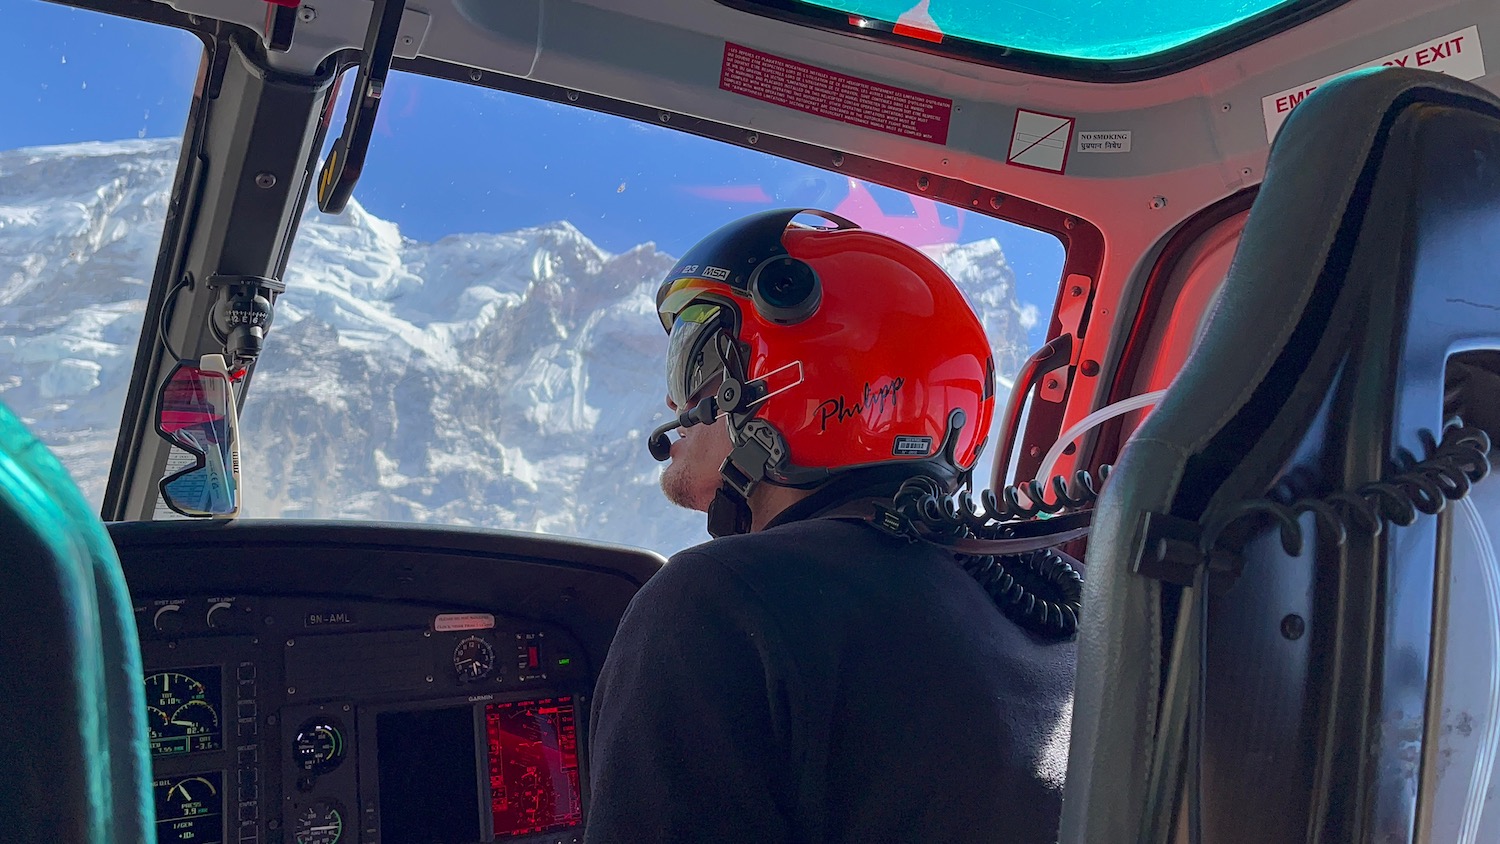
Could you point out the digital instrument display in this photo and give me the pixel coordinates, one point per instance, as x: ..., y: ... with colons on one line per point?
x: 429, y: 776
x: 183, y: 710
x: 189, y: 809
x: 533, y: 766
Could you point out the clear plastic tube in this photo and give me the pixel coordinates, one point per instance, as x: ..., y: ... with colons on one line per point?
x: 1489, y: 742
x: 1103, y: 414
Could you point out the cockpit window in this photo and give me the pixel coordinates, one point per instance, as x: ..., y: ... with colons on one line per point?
x: 1063, y: 37
x: 474, y: 340
x: 94, y: 113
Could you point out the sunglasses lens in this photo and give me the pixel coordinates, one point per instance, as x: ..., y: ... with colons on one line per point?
x: 196, y: 413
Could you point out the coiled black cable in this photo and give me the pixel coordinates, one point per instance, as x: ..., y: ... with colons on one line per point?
x: 1450, y: 468
x: 1042, y: 591
x: 929, y: 505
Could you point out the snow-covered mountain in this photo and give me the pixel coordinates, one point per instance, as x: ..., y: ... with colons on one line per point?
x: 504, y: 380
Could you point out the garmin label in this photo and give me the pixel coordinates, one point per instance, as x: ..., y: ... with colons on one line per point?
x: 909, y: 446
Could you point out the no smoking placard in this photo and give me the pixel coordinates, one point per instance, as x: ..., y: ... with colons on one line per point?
x: 1040, y: 141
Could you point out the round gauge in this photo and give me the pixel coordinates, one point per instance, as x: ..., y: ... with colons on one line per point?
x: 168, y: 690
x: 195, y: 718
x: 320, y: 823
x: 473, y: 658
x: 190, y: 796
x: 160, y: 721
x: 319, y: 746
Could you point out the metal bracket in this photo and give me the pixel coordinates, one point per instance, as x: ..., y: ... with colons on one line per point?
x: 1077, y: 290
x: 281, y: 22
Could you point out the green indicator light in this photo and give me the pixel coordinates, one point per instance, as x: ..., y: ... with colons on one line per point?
x: 565, y: 661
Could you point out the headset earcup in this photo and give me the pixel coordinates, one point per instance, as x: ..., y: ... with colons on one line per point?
x: 785, y: 290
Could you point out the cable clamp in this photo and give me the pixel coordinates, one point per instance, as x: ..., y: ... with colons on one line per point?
x: 1172, y: 553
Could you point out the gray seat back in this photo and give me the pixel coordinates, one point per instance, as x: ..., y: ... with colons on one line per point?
x: 1370, y: 258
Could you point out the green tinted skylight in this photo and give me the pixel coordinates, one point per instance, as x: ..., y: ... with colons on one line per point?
x: 1088, y: 30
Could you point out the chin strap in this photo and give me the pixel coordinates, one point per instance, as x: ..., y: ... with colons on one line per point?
x: 728, y: 514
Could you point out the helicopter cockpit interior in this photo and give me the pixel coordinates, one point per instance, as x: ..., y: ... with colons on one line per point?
x: 324, y: 476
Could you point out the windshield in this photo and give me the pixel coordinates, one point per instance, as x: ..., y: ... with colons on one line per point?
x: 474, y: 340
x: 95, y: 110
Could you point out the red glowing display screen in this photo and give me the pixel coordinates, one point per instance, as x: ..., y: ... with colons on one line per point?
x: 533, y: 766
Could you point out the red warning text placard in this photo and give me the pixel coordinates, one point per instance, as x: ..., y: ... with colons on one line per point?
x: 1457, y: 54
x: 825, y: 93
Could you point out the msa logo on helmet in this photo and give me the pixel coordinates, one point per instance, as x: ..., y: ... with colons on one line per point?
x: 912, y: 446
x: 717, y: 273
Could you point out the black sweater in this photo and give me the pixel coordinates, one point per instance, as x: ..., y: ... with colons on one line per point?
x: 820, y: 681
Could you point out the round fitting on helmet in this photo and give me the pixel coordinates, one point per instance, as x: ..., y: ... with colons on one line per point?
x: 785, y: 290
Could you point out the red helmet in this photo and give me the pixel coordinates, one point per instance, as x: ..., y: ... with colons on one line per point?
x: 830, y: 349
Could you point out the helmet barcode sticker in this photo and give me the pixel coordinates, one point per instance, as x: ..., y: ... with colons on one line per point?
x: 906, y: 446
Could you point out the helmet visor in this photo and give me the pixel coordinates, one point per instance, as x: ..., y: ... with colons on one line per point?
x: 693, y: 361
x: 677, y: 294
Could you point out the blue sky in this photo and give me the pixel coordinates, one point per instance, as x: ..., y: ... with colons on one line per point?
x: 450, y: 158
x: 73, y: 75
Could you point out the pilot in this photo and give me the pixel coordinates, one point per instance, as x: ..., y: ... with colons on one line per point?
x: 807, y: 676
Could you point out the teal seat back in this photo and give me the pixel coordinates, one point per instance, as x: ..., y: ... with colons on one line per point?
x: 74, y: 762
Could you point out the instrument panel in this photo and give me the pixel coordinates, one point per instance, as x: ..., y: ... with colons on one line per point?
x: 369, y: 709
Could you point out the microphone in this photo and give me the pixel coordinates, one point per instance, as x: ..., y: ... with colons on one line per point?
x: 703, y: 414
x: 658, y: 444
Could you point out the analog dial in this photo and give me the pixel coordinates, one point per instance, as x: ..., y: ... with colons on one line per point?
x: 473, y: 659
x: 319, y: 746
x: 320, y: 823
